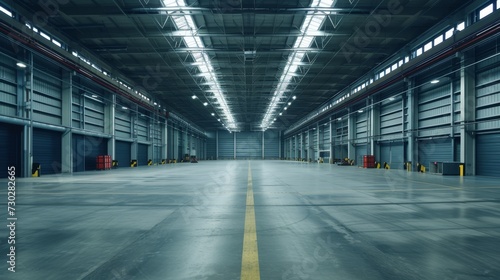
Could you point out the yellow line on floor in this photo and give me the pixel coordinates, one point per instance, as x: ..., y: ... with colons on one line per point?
x: 250, y: 257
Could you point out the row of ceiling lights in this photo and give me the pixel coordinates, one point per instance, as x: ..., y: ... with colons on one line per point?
x: 185, y: 23
x: 312, y: 23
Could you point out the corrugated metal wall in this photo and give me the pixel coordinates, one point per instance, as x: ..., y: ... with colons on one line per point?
x: 94, y: 114
x: 271, y: 144
x: 123, y: 125
x: 434, y: 110
x: 47, y: 89
x: 361, y: 129
x: 47, y: 150
x: 141, y: 128
x: 8, y: 80
x: 249, y: 145
x: 488, y: 111
x: 226, y: 145
x: 10, y: 149
x: 391, y: 119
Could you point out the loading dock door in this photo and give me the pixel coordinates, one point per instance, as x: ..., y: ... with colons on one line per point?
x: 10, y: 149
x: 393, y: 154
x: 436, y: 150
x: 488, y: 155
x: 85, y: 151
x: 123, y: 153
x: 47, y: 150
x: 142, y: 157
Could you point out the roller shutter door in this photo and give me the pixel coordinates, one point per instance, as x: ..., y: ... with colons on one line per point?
x: 47, y: 150
x: 211, y: 146
x: 226, y: 145
x: 10, y: 149
x: 249, y: 145
x: 123, y: 153
x: 85, y: 151
x: 437, y: 150
x: 142, y: 157
x: 393, y: 154
x: 271, y: 144
x: 488, y: 155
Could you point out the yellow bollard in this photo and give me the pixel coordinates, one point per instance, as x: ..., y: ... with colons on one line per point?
x: 461, y: 170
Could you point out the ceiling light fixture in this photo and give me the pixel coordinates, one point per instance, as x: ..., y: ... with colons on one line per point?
x: 185, y: 24
x: 205, y: 104
x: 312, y: 23
x: 434, y: 81
x: 194, y: 97
x: 21, y: 65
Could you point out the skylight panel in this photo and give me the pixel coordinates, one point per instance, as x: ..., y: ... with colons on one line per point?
x: 461, y: 26
x: 486, y: 11
x: 438, y: 40
x: 449, y: 33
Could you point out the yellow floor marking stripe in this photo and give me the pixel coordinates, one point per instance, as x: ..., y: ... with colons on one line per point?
x: 250, y: 258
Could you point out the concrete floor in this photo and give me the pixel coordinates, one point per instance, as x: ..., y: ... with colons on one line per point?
x: 313, y: 221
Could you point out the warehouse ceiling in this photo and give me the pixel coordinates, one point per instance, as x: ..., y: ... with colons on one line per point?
x: 246, y: 60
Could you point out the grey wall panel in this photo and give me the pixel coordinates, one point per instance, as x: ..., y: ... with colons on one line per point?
x: 226, y: 145
x: 10, y: 149
x: 488, y: 97
x: 434, y: 109
x: 436, y: 150
x: 123, y: 153
x: 392, y: 153
x: 47, y: 90
x: 391, y: 121
x: 361, y: 128
x: 8, y: 102
x: 488, y: 155
x: 142, y: 129
x: 94, y: 115
x: 271, y: 144
x: 47, y: 150
x: 249, y: 145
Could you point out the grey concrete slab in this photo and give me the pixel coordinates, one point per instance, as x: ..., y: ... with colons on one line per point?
x: 314, y: 221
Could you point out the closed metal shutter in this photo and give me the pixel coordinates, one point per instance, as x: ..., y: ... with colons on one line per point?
x: 437, y: 150
x: 211, y: 146
x: 85, y: 152
x: 249, y: 145
x: 271, y: 144
x: 10, y: 149
x: 123, y: 153
x: 142, y: 154
x: 47, y: 150
x: 393, y: 154
x: 340, y: 152
x: 488, y: 155
x: 226, y: 145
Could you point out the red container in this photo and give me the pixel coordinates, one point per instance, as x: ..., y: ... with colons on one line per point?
x: 103, y: 162
x: 369, y: 161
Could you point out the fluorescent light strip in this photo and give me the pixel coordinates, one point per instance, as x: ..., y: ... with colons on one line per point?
x: 5, y: 11
x: 312, y: 23
x: 186, y: 25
